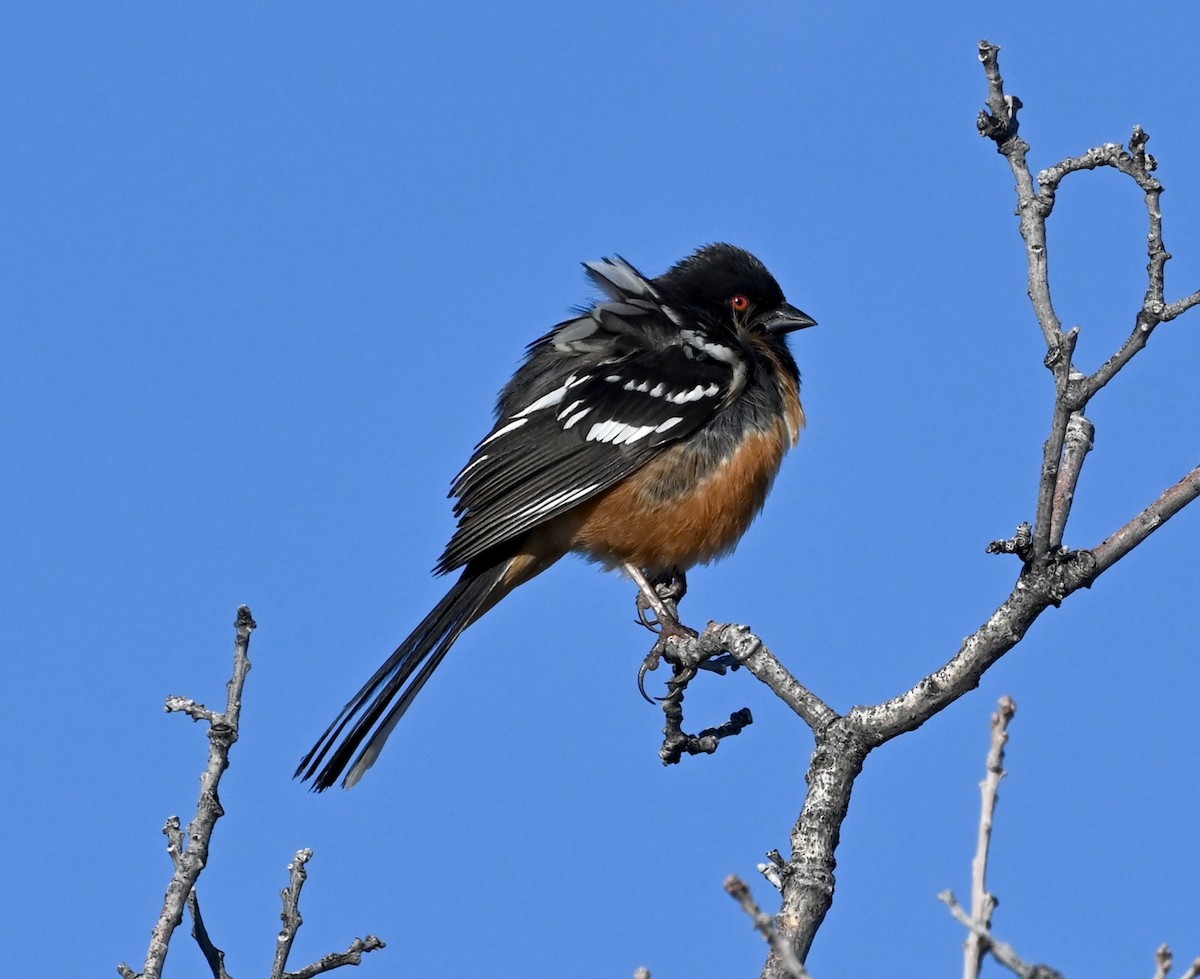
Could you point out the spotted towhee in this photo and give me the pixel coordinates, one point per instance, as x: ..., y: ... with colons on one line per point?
x: 643, y: 433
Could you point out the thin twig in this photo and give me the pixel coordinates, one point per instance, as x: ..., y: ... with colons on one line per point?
x: 789, y: 961
x: 1078, y: 442
x: 1111, y: 367
x: 1032, y: 209
x: 1163, y: 960
x: 1122, y: 541
x: 292, y: 920
x: 983, y: 903
x: 750, y: 651
x: 687, y: 656
x: 1002, y: 952
x: 290, y: 915
x: 335, y: 960
x: 1109, y: 155
x: 1062, y: 349
x: 222, y: 733
x: 1019, y: 544
x: 1180, y: 307
x: 214, y: 956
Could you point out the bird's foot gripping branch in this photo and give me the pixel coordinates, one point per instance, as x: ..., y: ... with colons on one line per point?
x: 722, y: 648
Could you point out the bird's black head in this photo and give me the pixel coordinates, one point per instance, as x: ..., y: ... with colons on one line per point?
x: 730, y: 287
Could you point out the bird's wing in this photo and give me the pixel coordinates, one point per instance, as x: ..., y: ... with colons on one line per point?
x: 599, y: 397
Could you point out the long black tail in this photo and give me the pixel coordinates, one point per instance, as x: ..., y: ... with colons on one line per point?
x: 402, y: 676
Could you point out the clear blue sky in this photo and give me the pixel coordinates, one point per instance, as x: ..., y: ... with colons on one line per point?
x: 264, y: 270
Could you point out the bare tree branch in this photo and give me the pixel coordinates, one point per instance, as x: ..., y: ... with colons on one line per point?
x: 1002, y: 952
x: 1034, y: 205
x: 1001, y: 127
x: 222, y: 733
x: 983, y: 903
x: 290, y: 915
x: 292, y: 920
x: 1163, y: 960
x: 1058, y: 359
x: 1122, y: 541
x: 752, y: 653
x: 335, y: 960
x: 740, y: 892
x: 190, y: 859
x: 1181, y: 306
x: 718, y: 649
x: 214, y: 956
x: 1050, y: 573
x: 1080, y: 437
x: 687, y: 656
x: 1020, y: 544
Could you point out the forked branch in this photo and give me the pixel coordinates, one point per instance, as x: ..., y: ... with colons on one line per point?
x: 190, y: 855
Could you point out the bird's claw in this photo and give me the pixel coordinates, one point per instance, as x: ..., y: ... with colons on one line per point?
x: 671, y: 585
x: 648, y: 664
x: 669, y: 588
x: 644, y: 616
x: 667, y: 630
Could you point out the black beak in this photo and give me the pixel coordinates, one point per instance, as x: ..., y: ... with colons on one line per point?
x: 785, y: 318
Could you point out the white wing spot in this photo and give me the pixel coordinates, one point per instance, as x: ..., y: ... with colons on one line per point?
x: 602, y: 431
x: 575, y: 417
x: 695, y: 394
x: 556, y: 500
x: 693, y: 340
x: 717, y: 351
x: 503, y: 430
x: 546, y: 400
x: 631, y: 433
x: 468, y: 467
x: 569, y: 416
x: 618, y: 433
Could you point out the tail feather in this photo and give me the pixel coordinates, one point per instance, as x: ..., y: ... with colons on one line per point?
x: 403, y: 675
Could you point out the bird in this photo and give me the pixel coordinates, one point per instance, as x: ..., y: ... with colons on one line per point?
x: 643, y: 433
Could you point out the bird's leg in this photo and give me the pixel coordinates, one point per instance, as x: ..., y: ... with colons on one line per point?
x: 659, y: 597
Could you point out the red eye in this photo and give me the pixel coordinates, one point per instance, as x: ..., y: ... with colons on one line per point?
x: 739, y: 303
